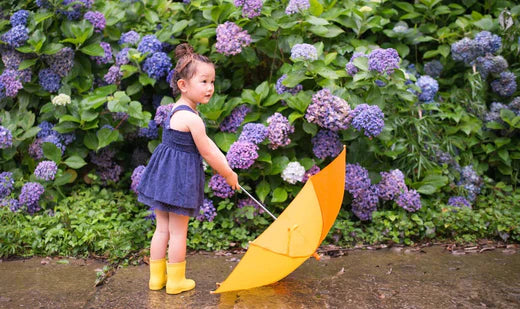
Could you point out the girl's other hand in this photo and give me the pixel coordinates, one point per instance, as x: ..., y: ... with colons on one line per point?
x: 232, y: 180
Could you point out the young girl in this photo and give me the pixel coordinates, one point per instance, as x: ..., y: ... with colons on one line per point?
x: 173, y: 181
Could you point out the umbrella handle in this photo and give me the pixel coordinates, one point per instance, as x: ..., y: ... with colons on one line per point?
x: 259, y: 204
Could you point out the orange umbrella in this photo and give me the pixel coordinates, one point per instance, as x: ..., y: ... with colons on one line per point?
x: 295, y: 235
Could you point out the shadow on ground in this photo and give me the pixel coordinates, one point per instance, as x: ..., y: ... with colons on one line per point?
x: 386, y: 278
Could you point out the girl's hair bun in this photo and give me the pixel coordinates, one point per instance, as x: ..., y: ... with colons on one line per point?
x: 182, y: 50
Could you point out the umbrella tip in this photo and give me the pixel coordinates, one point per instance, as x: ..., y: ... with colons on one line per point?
x: 316, y: 256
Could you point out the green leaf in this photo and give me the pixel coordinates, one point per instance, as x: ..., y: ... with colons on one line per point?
x: 262, y: 90
x: 27, y: 64
x: 224, y: 140
x: 90, y: 140
x: 178, y: 26
x: 206, y: 33
x: 51, y: 48
x: 310, y: 128
x: 262, y: 190
x: 501, y: 141
x: 485, y: 23
x: 316, y: 8
x: 93, y: 50
x: 431, y: 184
x: 69, y: 118
x: 269, y: 23
x: 30, y: 133
x: 279, y: 163
x: 146, y: 80
x: 106, y: 136
x: 295, y: 77
x: 60, y: 181
x: 279, y: 195
x: 316, y: 21
x: 51, y: 152
x: 75, y: 162
x: 151, y: 16
x: 504, y: 155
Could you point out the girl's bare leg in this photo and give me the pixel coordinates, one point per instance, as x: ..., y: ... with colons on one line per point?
x: 178, y: 226
x: 160, y: 236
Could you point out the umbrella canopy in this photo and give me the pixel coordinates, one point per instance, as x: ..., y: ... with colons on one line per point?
x: 295, y: 235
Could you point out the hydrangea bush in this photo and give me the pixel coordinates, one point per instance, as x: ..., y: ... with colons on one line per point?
x: 82, y: 89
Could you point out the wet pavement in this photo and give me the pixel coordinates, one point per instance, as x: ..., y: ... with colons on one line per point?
x: 431, y: 277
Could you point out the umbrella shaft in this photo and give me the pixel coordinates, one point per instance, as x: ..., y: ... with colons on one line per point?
x: 259, y: 204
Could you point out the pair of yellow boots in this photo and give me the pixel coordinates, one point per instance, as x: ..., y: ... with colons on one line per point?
x: 171, y: 275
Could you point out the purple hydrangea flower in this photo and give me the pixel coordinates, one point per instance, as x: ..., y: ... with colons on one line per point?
x: 207, y: 211
x: 249, y: 202
x: 6, y: 138
x: 110, y: 174
x: 242, y: 154
x: 113, y: 75
x: 433, y: 68
x: 471, y: 182
x: 490, y: 64
x: 350, y: 67
x: 280, y: 88
x: 16, y: 36
x: 131, y: 37
x: 11, y: 82
x: 429, y: 88
x: 136, y: 177
x: 157, y: 65
x: 6, y: 184
x: 12, y: 58
x: 410, y: 200
x: 108, y: 54
x: 46, y: 170
x: 62, y: 62
x: 161, y: 114
x: 304, y: 52
x: 459, y: 201
x: 488, y: 42
x: 233, y: 121
x: 356, y: 179
x: 170, y: 76
x: 365, y: 203
x: 293, y: 172
x: 220, y: 187
x: 19, y: 18
x: 149, y: 44
x: 368, y: 118
x: 97, y: 19
x: 74, y: 12
x: 102, y: 158
x: 383, y: 60
x: 506, y: 85
x: 43, y: 4
x: 250, y: 8
x: 151, y: 132
x: 231, y: 39
x: 379, y: 83
x: 30, y: 196
x: 296, y: 6
x: 49, y: 80
x: 312, y: 171
x: 328, y: 111
x: 391, y: 184
x: 122, y: 56
x: 465, y: 50
x: 254, y: 133
x: 278, y: 131
x: 35, y: 149
x: 56, y: 140
x: 12, y: 203
x: 514, y: 105
x: 326, y: 144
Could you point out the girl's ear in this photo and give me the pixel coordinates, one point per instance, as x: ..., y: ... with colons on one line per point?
x: 181, y: 84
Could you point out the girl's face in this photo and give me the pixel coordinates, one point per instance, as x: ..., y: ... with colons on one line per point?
x: 199, y: 88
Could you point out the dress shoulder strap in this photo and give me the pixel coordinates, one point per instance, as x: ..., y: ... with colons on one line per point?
x: 182, y: 108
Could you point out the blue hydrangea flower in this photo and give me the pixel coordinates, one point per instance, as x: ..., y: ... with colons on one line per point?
x: 356, y: 179
x: 12, y: 203
x: 488, y: 42
x: 465, y: 50
x: 219, y: 186
x: 242, y: 154
x: 136, y: 177
x: 278, y: 131
x: 254, y: 133
x: 433, y: 68
x: 149, y: 44
x: 12, y: 58
x: 368, y: 118
x: 514, y: 105
x: 296, y: 6
x: 16, y: 36
x: 328, y: 111
x: 304, y: 52
x: 19, y: 18
x: 108, y: 54
x: 6, y: 184
x: 110, y: 174
x: 46, y: 170
x: 113, y: 75
x: 231, y: 38
x: 122, y: 56
x: 365, y: 203
x: 350, y: 67
x: 490, y: 64
x: 391, y: 185
x: 429, y: 88
x: 326, y: 143
x: 102, y: 158
x: 6, y: 138
x: 97, y: 19
x: 280, y: 88
x: 30, y: 196
x: 383, y: 60
x: 161, y: 114
x: 506, y: 85
x: 131, y: 37
x: 250, y: 8
x: 61, y: 62
x: 233, y: 121
x: 43, y: 4
x: 409, y: 200
x: 207, y: 211
x: 459, y: 201
x: 74, y: 12
x: 49, y: 80
x: 157, y: 65
x: 11, y: 82
x: 151, y: 132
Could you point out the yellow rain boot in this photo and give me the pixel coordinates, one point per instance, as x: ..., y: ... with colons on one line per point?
x: 177, y: 281
x: 157, y: 274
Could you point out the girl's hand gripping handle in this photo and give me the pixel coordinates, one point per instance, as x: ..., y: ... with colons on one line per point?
x: 232, y: 180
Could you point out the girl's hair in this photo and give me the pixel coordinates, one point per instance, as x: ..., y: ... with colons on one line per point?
x: 185, y: 68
